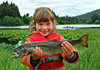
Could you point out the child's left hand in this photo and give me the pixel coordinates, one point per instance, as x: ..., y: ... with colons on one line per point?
x: 67, y: 49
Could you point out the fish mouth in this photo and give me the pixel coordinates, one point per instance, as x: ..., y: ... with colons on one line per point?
x: 16, y: 55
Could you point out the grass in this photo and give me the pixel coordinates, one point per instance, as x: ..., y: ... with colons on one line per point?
x: 89, y: 57
x: 8, y: 63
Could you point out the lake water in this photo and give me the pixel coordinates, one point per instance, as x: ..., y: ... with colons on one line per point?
x: 57, y: 26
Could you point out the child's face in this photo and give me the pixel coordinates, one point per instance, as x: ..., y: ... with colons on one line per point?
x: 44, y: 28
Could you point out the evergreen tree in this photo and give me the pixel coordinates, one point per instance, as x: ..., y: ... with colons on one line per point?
x: 7, y: 9
x: 94, y: 18
x: 27, y: 19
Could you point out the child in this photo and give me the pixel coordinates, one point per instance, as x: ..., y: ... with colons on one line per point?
x: 42, y: 29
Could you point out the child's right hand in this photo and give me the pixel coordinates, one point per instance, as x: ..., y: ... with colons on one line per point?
x: 37, y: 53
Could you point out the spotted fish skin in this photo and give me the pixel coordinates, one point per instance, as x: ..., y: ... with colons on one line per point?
x: 48, y: 47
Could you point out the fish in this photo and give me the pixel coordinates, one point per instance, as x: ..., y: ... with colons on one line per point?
x: 49, y: 47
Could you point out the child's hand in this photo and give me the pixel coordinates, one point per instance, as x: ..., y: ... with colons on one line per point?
x: 67, y: 49
x: 37, y: 53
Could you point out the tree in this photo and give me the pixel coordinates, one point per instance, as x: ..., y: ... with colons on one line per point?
x: 99, y: 18
x: 8, y: 21
x: 7, y: 9
x: 26, y: 19
x: 88, y: 21
x: 94, y: 18
x: 11, y: 21
x: 82, y: 20
x: 0, y: 22
x: 18, y: 21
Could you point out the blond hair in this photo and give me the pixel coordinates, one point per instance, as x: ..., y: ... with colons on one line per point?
x: 42, y: 14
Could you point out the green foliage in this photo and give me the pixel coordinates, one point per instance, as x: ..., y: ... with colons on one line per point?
x: 12, y: 11
x: 13, y: 36
x: 11, y: 21
x: 7, y: 9
x: 82, y: 20
x: 1, y: 22
x: 8, y: 63
x: 97, y: 22
x: 89, y: 14
x: 89, y: 21
x: 94, y: 18
x: 66, y: 20
x: 18, y: 21
x: 7, y: 21
x: 27, y: 19
x: 10, y: 15
x: 89, y: 57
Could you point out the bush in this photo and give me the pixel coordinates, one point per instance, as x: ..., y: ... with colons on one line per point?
x: 19, y: 21
x: 89, y: 21
x: 11, y: 21
x: 97, y: 22
x: 0, y: 22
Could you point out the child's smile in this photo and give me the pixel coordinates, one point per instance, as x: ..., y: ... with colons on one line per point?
x: 44, y: 28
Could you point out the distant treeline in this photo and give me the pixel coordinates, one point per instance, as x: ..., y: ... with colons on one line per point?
x: 10, y: 16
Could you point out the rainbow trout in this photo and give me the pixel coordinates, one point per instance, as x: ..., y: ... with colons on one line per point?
x: 48, y: 47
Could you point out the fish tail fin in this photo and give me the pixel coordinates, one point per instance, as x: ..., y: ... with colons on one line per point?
x: 84, y: 40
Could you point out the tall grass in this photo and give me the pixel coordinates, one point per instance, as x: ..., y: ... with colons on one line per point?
x: 8, y: 63
x: 89, y: 57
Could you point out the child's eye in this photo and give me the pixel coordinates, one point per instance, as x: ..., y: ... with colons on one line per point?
x: 48, y: 23
x: 40, y: 24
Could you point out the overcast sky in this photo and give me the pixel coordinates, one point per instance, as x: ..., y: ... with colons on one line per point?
x: 60, y: 7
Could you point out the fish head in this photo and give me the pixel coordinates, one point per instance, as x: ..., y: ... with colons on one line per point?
x: 20, y: 52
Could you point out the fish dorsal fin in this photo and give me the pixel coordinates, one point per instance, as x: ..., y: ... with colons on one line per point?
x: 52, y: 40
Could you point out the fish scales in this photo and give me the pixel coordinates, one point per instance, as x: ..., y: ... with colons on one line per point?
x: 48, y: 47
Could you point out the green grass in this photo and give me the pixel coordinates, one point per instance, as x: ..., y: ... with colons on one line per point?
x: 89, y: 57
x: 8, y: 63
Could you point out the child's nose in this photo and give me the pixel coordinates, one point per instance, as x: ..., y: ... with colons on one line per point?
x: 44, y: 27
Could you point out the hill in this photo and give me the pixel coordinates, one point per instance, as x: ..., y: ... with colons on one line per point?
x: 89, y: 14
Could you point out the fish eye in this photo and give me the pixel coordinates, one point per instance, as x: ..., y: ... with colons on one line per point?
x: 18, y: 52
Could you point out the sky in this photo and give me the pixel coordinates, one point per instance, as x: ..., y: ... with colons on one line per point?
x: 60, y: 7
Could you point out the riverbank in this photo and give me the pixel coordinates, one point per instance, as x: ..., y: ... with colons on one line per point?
x: 69, y: 26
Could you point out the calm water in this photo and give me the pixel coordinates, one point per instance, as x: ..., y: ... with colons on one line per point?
x: 57, y: 26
